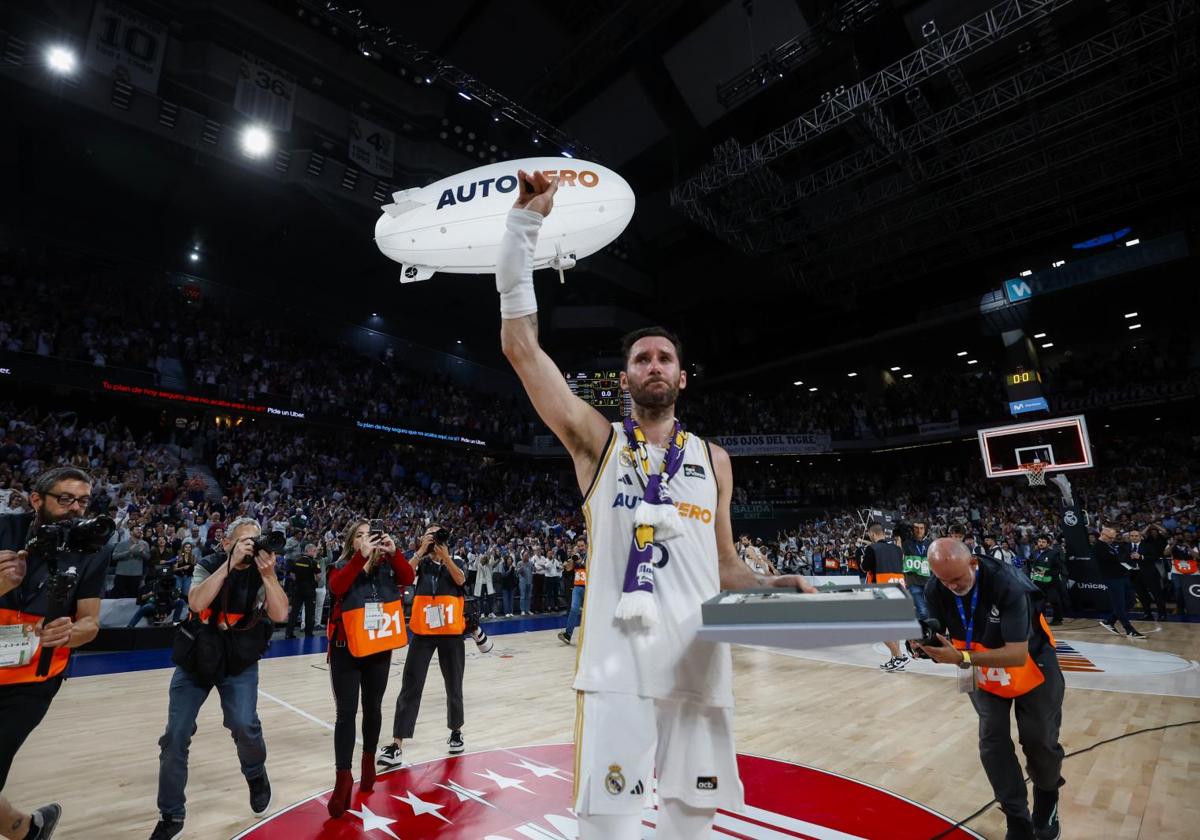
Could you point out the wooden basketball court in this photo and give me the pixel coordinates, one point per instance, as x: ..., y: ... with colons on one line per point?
x: 909, y: 733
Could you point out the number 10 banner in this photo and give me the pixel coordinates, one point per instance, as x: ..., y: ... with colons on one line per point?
x: 127, y: 44
x: 371, y: 146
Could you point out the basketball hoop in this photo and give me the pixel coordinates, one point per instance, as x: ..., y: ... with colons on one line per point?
x: 1035, y: 473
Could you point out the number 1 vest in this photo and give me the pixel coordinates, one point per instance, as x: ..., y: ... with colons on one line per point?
x: 373, y: 613
x: 437, y: 608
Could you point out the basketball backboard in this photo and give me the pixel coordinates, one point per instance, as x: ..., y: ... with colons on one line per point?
x: 1061, y: 444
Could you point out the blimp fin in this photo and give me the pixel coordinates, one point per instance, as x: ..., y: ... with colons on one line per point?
x: 414, y: 273
x: 401, y: 207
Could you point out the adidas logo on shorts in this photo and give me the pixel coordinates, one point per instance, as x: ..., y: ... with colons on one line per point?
x: 638, y: 789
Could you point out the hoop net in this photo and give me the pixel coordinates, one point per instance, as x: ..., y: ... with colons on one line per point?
x: 1035, y: 474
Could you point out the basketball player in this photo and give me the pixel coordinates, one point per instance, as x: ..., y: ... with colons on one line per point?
x: 650, y: 695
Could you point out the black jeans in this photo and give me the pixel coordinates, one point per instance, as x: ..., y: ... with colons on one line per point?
x: 1056, y: 597
x: 1039, y: 716
x: 354, y: 677
x: 452, y: 659
x: 22, y: 707
x: 1118, y: 597
x: 1148, y: 584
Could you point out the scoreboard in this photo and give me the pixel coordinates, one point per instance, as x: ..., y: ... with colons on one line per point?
x: 602, y: 390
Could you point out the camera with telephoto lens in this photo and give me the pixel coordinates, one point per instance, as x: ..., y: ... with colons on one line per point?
x: 441, y: 535
x: 81, y: 536
x: 471, y: 618
x: 930, y: 627
x: 70, y: 536
x: 165, y: 592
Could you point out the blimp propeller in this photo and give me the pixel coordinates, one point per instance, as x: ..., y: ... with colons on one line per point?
x: 455, y: 225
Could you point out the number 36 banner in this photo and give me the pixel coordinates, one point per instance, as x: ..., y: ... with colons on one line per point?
x: 371, y: 146
x: 265, y: 93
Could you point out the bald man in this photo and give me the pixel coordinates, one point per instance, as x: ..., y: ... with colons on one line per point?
x: 994, y: 627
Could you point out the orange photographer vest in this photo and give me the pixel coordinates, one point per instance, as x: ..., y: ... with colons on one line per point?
x: 437, y: 608
x: 1013, y: 681
x: 581, y: 577
x: 1184, y: 566
x: 373, y: 613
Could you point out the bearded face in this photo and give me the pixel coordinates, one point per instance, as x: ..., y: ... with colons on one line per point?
x: 652, y: 373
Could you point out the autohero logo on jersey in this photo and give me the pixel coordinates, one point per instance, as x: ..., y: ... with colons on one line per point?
x: 706, y: 783
x: 686, y: 509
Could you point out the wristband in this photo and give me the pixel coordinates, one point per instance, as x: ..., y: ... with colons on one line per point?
x: 514, y: 263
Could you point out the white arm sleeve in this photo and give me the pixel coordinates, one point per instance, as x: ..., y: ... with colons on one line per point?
x: 514, y: 263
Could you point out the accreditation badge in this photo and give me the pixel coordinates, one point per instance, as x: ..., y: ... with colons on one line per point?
x: 18, y: 645
x: 966, y: 680
x: 373, y: 615
x: 435, y: 616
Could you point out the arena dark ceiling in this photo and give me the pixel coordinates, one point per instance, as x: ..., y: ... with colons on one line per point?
x: 637, y: 83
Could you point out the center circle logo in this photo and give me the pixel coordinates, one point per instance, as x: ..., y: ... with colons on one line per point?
x: 526, y: 792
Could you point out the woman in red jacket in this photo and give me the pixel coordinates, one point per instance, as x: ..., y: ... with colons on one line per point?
x: 366, y: 625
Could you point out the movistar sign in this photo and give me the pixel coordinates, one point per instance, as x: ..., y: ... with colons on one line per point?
x: 1025, y: 406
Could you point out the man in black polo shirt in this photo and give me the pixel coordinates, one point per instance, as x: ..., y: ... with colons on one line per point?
x: 58, y: 495
x: 987, y: 610
x: 306, y: 574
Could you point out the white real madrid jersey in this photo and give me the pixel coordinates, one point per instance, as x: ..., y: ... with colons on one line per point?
x: 666, y: 661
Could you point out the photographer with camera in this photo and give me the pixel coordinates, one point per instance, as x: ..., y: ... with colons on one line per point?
x: 219, y: 647
x: 995, y: 634
x: 883, y: 562
x: 578, y: 562
x: 159, y: 594
x: 51, y: 576
x: 438, y: 624
x: 366, y: 625
x: 1048, y: 569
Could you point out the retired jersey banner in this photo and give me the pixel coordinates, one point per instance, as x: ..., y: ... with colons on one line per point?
x: 774, y: 444
x: 265, y: 93
x: 371, y: 146
x: 126, y: 44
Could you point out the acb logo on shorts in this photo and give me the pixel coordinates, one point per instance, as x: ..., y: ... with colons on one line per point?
x: 706, y: 783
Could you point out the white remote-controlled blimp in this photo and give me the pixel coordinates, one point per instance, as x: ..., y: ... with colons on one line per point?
x: 455, y: 225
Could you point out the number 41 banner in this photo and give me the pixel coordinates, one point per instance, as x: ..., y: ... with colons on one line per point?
x: 371, y: 146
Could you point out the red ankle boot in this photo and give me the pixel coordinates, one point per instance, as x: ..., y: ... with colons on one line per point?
x: 366, y: 783
x: 339, y: 800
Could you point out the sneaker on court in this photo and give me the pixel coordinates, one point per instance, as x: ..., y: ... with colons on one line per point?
x: 1136, y: 636
x: 898, y: 663
x: 167, y: 829
x: 889, y: 665
x: 563, y: 637
x: 1019, y: 828
x: 391, y: 756
x: 46, y: 819
x: 455, y: 743
x: 260, y: 794
x: 1045, y: 814
x: 1110, y: 627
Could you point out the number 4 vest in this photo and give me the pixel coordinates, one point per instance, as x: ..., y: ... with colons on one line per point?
x: 373, y: 613
x: 1013, y: 681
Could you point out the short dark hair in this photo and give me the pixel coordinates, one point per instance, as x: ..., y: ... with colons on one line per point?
x: 957, y: 530
x: 46, y: 481
x: 632, y: 338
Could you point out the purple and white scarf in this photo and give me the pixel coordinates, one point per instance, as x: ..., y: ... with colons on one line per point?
x: 656, y: 520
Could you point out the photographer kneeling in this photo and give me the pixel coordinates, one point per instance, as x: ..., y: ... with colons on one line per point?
x: 1007, y: 657
x: 159, y: 595
x: 51, y: 577
x: 219, y: 647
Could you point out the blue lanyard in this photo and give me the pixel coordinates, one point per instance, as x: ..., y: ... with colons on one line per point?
x: 970, y: 627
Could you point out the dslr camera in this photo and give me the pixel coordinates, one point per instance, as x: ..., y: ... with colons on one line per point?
x: 930, y: 627
x: 441, y: 535
x: 272, y: 541
x: 81, y: 536
x: 471, y: 618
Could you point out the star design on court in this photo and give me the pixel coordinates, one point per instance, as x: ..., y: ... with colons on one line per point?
x: 540, y: 771
x: 504, y: 782
x: 420, y: 806
x: 372, y: 821
x: 465, y: 793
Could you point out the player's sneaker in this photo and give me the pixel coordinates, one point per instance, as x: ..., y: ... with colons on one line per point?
x: 167, y: 830
x: 563, y: 637
x: 45, y: 820
x: 1136, y: 636
x: 1045, y: 814
x: 455, y: 743
x: 260, y: 794
x: 1110, y: 627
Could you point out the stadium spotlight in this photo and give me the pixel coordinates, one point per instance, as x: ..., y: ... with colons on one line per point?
x: 1130, y: 314
x: 961, y: 353
x: 1058, y: 263
x: 61, y: 59
x: 256, y: 141
x: 896, y: 368
x: 194, y: 256
x: 851, y: 374
x: 972, y: 361
x: 1047, y: 345
x: 907, y: 376
x: 1026, y: 273
x: 798, y: 382
x: 1133, y: 242
x: 1039, y: 335
x: 810, y: 390
x: 1135, y: 326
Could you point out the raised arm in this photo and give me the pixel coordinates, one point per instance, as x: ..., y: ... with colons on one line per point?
x: 582, y: 429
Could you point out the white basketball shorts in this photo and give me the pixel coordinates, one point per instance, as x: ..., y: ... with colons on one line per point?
x: 622, y: 739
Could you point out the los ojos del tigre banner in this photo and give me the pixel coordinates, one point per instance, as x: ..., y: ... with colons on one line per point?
x: 774, y: 444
